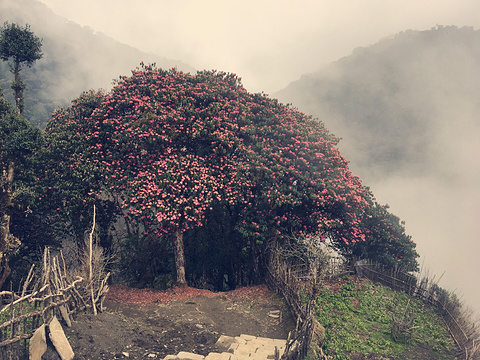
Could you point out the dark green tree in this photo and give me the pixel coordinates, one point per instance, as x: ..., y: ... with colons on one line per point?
x: 67, y: 189
x: 18, y: 141
x: 386, y: 240
x: 19, y: 46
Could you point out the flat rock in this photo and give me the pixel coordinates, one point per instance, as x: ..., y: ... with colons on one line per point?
x: 182, y: 355
x: 219, y: 356
x: 238, y: 348
x: 66, y: 317
x: 224, y: 342
x: 38, y: 344
x: 59, y: 340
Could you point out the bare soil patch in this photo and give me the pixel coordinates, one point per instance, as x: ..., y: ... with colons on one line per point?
x: 147, y: 324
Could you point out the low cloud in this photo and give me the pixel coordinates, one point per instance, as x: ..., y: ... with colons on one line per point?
x: 269, y: 43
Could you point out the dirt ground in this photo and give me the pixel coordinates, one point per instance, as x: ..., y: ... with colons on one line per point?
x: 145, y: 324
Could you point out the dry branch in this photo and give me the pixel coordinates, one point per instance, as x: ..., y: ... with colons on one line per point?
x: 28, y: 280
x: 15, y: 339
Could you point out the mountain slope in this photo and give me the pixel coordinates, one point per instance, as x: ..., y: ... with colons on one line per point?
x: 75, y: 59
x: 395, y: 101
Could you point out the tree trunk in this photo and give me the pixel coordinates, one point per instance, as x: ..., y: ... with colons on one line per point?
x: 4, y: 233
x: 179, y: 253
x: 17, y: 89
x: 6, y: 271
x: 258, y: 263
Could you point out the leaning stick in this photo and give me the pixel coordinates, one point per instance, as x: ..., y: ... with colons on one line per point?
x: 90, y: 274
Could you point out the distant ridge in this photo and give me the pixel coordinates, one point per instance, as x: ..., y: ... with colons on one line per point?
x: 394, y: 103
x: 75, y: 59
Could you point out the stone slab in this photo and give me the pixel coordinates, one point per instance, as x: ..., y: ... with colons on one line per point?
x: 38, y: 344
x: 65, y: 316
x: 59, y: 340
x: 244, y: 352
x: 218, y: 356
x: 183, y: 355
x: 225, y: 341
x: 232, y: 348
x: 238, y: 348
x: 247, y: 337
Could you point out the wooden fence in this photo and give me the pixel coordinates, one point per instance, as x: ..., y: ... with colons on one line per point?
x: 285, y: 282
x: 298, y: 281
x: 50, y: 292
x: 461, y: 329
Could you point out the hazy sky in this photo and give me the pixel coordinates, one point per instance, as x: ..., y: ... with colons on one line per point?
x: 267, y: 42
x: 270, y: 43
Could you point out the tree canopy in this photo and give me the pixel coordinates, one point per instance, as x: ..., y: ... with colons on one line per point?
x: 18, y: 142
x: 19, y: 44
x: 172, y: 146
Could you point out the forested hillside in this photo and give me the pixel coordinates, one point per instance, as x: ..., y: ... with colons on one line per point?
x: 75, y: 59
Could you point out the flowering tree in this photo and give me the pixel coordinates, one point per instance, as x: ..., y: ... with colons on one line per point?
x: 300, y: 182
x: 158, y: 142
x: 171, y: 146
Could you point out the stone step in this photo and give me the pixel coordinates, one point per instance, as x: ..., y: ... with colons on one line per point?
x: 238, y: 348
x: 183, y: 355
x: 221, y: 356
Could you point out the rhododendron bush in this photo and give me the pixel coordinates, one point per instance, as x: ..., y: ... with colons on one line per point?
x: 171, y: 147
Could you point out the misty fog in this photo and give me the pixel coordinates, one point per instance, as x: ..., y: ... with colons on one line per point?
x: 269, y: 43
x: 76, y: 59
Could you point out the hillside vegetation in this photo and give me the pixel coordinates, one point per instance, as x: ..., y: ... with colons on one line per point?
x: 357, y: 317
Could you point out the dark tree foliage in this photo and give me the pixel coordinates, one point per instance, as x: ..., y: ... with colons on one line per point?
x: 18, y: 142
x: 68, y: 191
x: 386, y: 240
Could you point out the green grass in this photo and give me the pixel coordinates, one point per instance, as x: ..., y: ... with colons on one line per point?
x: 358, y: 320
x: 18, y: 310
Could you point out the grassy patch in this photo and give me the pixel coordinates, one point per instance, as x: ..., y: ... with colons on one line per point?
x: 21, y: 327
x: 357, y: 316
